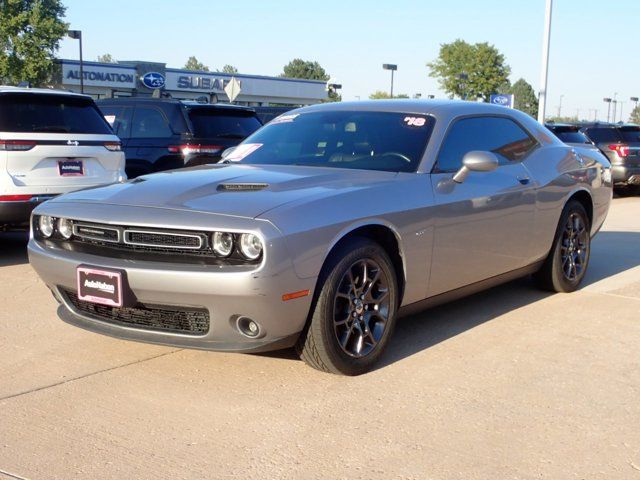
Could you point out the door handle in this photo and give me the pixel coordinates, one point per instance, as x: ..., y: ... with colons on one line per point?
x: 524, y: 180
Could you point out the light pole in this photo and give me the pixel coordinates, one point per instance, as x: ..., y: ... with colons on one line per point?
x: 635, y: 102
x: 77, y: 35
x: 560, y: 106
x: 607, y: 100
x: 621, y: 104
x: 615, y: 102
x: 544, y: 74
x: 463, y: 77
x: 393, y: 68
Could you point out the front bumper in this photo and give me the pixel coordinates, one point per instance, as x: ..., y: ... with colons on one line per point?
x: 18, y: 213
x: 225, y: 292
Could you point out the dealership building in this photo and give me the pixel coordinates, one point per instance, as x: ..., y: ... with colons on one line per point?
x: 137, y: 78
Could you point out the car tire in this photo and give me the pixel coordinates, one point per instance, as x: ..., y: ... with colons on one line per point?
x: 567, y: 262
x: 354, y: 312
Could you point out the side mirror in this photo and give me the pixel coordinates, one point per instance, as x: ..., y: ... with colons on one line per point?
x: 476, y: 161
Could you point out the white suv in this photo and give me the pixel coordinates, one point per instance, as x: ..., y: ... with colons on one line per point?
x: 51, y: 142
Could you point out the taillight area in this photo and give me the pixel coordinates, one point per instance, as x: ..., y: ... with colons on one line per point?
x: 196, y: 149
x: 621, y: 149
x: 15, y: 198
x: 17, y: 145
x: 113, y: 146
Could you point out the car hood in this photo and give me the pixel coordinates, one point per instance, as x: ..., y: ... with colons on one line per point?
x: 237, y: 190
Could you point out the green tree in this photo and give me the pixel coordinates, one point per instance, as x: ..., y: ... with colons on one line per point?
x: 635, y: 115
x: 381, y: 95
x: 525, y: 97
x: 30, y: 34
x: 229, y: 69
x: 106, y: 58
x: 469, y: 71
x: 298, y: 68
x: 194, y: 64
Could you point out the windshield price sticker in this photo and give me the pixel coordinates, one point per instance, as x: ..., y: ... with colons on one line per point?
x: 111, y: 119
x: 415, y: 121
x: 242, y: 151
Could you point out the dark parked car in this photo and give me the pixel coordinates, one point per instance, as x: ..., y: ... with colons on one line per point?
x: 569, y: 134
x: 621, y: 145
x: 266, y: 114
x: 164, y: 134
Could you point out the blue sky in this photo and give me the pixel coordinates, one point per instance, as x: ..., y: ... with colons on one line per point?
x: 594, y: 43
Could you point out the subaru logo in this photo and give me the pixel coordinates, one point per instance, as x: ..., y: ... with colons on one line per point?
x: 75, y: 143
x: 153, y: 80
x: 501, y: 100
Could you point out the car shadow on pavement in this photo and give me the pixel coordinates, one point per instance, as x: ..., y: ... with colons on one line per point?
x: 13, y: 248
x: 612, y: 253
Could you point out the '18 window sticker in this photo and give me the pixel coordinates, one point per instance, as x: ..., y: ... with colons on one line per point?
x: 415, y: 121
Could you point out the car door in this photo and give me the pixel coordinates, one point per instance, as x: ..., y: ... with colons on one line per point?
x: 484, y: 224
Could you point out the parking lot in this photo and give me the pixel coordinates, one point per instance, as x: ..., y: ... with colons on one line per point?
x: 510, y: 383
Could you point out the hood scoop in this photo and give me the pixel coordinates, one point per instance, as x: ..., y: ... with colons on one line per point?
x: 242, y: 187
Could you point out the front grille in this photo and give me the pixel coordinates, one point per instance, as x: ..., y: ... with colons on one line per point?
x: 162, y: 318
x: 164, y: 240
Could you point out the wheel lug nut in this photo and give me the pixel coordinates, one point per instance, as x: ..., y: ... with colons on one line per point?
x: 361, y: 317
x: 354, y: 314
x: 361, y: 297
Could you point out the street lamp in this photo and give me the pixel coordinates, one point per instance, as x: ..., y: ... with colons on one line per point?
x: 607, y: 100
x: 544, y: 73
x: 635, y: 102
x: 393, y: 68
x: 431, y: 97
x: 77, y: 35
x: 615, y: 104
x: 560, y: 106
x: 463, y: 77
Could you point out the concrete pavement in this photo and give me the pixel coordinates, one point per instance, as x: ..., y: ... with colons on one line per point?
x: 510, y: 383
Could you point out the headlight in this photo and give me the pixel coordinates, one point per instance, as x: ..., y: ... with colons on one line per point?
x: 45, y: 225
x: 250, y: 246
x: 65, y: 228
x: 223, y: 243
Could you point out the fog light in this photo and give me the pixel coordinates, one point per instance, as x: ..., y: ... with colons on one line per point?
x: 65, y: 228
x: 45, y: 225
x: 248, y: 327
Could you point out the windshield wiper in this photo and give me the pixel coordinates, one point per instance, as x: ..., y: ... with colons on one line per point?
x: 52, y: 128
x: 230, y: 135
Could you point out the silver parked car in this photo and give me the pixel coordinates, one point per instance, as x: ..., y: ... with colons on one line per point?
x: 323, y: 227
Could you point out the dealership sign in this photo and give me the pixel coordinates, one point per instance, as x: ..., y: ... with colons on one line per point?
x: 153, y: 80
x: 502, y: 100
x: 196, y: 82
x: 98, y: 76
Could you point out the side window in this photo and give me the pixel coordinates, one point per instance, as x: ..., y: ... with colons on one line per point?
x: 119, y: 118
x: 149, y: 122
x: 499, y: 135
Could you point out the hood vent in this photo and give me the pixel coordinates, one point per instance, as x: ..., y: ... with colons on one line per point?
x: 242, y: 187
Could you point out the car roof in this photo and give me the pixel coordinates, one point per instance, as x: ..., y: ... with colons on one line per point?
x: 39, y: 91
x: 448, y: 107
x: 173, y: 101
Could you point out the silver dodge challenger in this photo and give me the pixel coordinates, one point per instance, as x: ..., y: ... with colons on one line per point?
x: 324, y: 227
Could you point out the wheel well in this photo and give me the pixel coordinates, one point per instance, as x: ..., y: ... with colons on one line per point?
x: 384, y: 237
x: 585, y: 200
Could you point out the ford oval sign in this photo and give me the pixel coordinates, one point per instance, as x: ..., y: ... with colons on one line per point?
x: 153, y: 80
x: 502, y: 99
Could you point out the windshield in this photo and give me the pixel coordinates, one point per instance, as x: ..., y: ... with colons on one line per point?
x: 571, y: 136
x: 630, y: 134
x: 223, y: 123
x: 603, y: 135
x: 30, y: 113
x: 386, y: 141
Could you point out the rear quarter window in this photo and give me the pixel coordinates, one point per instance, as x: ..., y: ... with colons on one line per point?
x: 630, y: 134
x: 603, y: 135
x: 42, y: 113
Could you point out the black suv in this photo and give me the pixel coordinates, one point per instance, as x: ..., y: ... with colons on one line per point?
x: 621, y: 145
x: 569, y: 134
x: 163, y: 134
